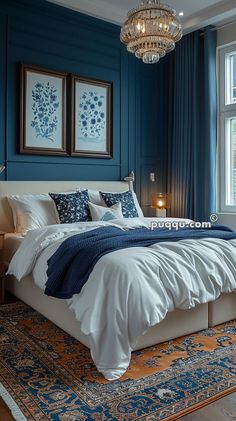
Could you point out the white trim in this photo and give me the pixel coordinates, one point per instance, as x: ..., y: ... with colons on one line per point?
x: 221, y: 47
x: 223, y: 52
x: 225, y: 112
x: 12, y: 405
x: 224, y: 165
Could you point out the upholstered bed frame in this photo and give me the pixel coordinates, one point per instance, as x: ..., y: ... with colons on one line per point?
x: 175, y: 324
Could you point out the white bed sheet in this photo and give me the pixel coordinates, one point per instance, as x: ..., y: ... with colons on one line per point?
x: 118, y: 304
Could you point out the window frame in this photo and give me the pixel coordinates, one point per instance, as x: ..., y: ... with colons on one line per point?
x: 225, y: 112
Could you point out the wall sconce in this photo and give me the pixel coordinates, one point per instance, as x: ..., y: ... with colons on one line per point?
x: 160, y: 202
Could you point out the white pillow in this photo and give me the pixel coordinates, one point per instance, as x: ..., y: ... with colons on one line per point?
x: 103, y: 213
x: 95, y: 198
x: 32, y: 211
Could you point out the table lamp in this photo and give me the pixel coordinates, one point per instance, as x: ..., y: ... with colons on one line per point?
x: 160, y: 202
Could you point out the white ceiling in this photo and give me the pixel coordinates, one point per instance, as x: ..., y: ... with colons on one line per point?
x: 197, y: 13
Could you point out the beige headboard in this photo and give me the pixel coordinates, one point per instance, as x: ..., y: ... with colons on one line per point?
x: 36, y: 187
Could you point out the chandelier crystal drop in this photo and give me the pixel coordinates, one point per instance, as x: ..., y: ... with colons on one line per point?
x: 151, y: 30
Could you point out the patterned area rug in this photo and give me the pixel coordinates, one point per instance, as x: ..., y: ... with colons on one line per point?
x: 52, y: 377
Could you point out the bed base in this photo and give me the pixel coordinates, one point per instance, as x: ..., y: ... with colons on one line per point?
x: 52, y: 308
x: 178, y: 323
x: 222, y: 310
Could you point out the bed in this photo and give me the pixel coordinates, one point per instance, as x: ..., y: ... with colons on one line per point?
x: 175, y: 324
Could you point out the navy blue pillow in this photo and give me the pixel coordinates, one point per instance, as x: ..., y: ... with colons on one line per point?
x: 126, y: 199
x: 72, y: 207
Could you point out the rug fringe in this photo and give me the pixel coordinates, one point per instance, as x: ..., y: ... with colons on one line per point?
x: 9, y: 401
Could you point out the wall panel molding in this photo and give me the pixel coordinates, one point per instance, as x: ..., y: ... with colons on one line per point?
x: 48, y: 11
x: 50, y: 36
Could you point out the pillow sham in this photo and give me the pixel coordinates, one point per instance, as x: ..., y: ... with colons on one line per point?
x: 72, y: 207
x: 103, y: 213
x: 95, y: 197
x: 126, y: 199
x: 32, y: 211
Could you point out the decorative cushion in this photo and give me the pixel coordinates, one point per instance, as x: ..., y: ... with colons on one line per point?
x: 126, y: 199
x: 94, y: 197
x: 72, y: 207
x: 32, y: 211
x: 103, y: 213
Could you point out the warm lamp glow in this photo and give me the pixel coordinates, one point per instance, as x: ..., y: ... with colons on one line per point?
x: 160, y: 201
x: 160, y: 204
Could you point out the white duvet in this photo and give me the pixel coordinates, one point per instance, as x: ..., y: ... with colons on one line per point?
x: 132, y: 289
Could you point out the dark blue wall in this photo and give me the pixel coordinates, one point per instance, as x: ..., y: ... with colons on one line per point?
x: 40, y: 33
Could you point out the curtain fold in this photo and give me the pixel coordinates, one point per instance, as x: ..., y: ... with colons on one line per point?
x: 192, y: 127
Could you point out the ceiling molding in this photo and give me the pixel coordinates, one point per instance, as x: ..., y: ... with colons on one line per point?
x: 213, y: 15
x: 114, y: 13
x: 98, y: 9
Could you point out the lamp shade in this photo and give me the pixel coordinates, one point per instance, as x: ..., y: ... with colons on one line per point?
x: 160, y: 201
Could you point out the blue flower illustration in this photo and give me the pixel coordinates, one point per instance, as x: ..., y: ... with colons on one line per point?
x: 91, y: 119
x: 45, y: 105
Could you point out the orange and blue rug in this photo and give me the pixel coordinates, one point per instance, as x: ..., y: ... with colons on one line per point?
x: 51, y: 376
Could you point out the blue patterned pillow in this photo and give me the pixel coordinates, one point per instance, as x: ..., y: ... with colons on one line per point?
x: 126, y: 199
x: 72, y: 207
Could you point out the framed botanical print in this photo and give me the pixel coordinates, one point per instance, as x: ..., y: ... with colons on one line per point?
x: 91, y: 118
x: 43, y: 111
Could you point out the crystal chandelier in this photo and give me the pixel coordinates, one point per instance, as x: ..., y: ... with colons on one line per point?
x: 151, y: 30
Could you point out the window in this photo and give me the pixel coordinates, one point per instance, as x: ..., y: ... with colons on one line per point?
x: 227, y: 132
x: 230, y: 77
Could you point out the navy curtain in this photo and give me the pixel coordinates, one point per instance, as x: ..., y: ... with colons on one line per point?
x: 192, y: 126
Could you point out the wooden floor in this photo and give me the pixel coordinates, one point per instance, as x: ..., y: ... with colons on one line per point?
x: 5, y: 414
x: 221, y: 410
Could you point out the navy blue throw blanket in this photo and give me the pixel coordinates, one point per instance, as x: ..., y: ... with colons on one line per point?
x: 71, y: 265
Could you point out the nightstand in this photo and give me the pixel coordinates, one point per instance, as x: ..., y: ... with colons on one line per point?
x: 2, y: 269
